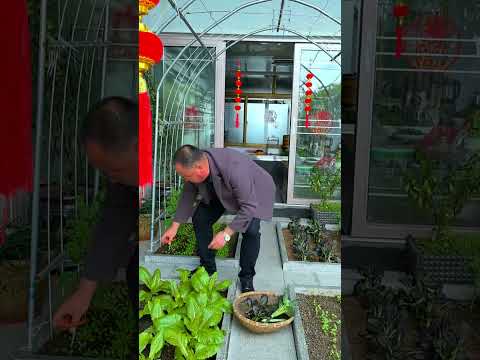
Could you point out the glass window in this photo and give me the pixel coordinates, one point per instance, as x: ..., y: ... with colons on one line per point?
x: 428, y: 100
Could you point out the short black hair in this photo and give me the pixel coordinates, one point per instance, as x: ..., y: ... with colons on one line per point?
x: 112, y: 123
x: 188, y: 155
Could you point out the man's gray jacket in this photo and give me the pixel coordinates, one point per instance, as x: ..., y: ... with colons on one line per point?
x: 241, y: 185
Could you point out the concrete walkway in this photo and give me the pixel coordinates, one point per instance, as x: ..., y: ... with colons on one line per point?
x: 245, y: 345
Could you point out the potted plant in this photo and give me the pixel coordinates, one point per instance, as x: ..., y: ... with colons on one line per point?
x: 445, y: 256
x: 324, y: 182
x: 184, y: 315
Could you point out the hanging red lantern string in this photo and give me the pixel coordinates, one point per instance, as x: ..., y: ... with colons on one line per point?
x: 400, y: 11
x: 238, y: 92
x: 308, y: 99
x: 150, y: 52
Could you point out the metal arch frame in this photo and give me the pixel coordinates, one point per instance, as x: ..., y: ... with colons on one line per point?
x: 39, y: 121
x: 205, y: 64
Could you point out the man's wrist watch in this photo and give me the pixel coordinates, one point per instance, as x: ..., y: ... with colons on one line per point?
x: 226, y: 237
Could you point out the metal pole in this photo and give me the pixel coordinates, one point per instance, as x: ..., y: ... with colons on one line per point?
x: 184, y: 19
x: 317, y: 9
x: 280, y: 16
x: 169, y: 21
x: 104, y: 75
x: 36, y: 179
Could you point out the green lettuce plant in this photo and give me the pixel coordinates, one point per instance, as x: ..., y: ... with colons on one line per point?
x: 185, y: 315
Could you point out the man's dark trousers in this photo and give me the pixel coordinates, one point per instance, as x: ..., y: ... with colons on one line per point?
x: 204, y: 218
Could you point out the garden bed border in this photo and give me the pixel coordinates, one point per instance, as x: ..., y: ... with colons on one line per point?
x: 298, y: 329
x: 302, y: 266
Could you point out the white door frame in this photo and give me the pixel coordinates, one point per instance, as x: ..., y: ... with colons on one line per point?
x: 291, y: 200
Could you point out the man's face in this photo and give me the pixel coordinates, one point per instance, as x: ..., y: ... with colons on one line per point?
x: 196, y: 174
x: 119, y: 167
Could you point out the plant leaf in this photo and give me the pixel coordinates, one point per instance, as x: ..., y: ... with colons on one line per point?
x: 178, y: 339
x: 144, y: 276
x: 144, y: 296
x: 156, y: 345
x: 184, y: 275
x: 143, y: 340
x: 200, y: 280
x: 213, y: 336
x: 223, y: 285
x: 203, y: 351
x: 156, y: 281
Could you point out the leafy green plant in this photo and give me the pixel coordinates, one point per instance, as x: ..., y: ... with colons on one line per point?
x: 324, y: 183
x: 419, y: 299
x: 79, y: 228
x: 110, y: 330
x: 330, y: 326
x: 443, y: 196
x: 185, y: 315
x: 301, y: 246
x: 447, y: 342
x: 370, y: 285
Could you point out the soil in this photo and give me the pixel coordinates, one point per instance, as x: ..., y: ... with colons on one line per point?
x: 318, y: 344
x: 355, y: 321
x: 233, y: 248
x: 288, y: 236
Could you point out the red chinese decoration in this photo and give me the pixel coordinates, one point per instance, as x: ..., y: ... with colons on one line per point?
x: 435, y: 28
x: 400, y: 11
x: 238, y: 92
x: 308, y: 99
x: 325, y: 119
x: 150, y: 52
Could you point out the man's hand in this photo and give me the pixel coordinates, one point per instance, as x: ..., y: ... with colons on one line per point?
x: 218, y: 241
x: 170, y: 234
x: 71, y: 311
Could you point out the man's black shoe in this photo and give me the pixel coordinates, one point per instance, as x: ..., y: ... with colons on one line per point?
x: 246, y: 285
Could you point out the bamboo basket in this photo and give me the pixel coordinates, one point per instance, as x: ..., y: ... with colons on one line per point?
x: 256, y: 327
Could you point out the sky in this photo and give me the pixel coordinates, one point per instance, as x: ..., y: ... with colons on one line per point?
x: 296, y: 17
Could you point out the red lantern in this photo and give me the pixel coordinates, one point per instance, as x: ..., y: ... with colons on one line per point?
x: 400, y: 11
x: 150, y: 49
x: 150, y: 52
x: 308, y: 99
x: 238, y: 92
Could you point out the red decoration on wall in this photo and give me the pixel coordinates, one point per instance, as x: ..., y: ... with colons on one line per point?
x: 308, y: 99
x: 436, y: 28
x: 400, y: 11
x: 238, y: 92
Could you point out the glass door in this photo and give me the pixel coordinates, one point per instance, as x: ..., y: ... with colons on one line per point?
x: 316, y: 143
x: 425, y: 102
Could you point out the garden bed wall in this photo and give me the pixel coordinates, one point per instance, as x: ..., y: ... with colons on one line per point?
x: 298, y: 328
x: 320, y: 269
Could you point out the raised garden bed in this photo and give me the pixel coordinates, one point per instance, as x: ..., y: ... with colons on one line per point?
x: 227, y: 266
x: 411, y: 319
x: 290, y: 260
x: 317, y: 324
